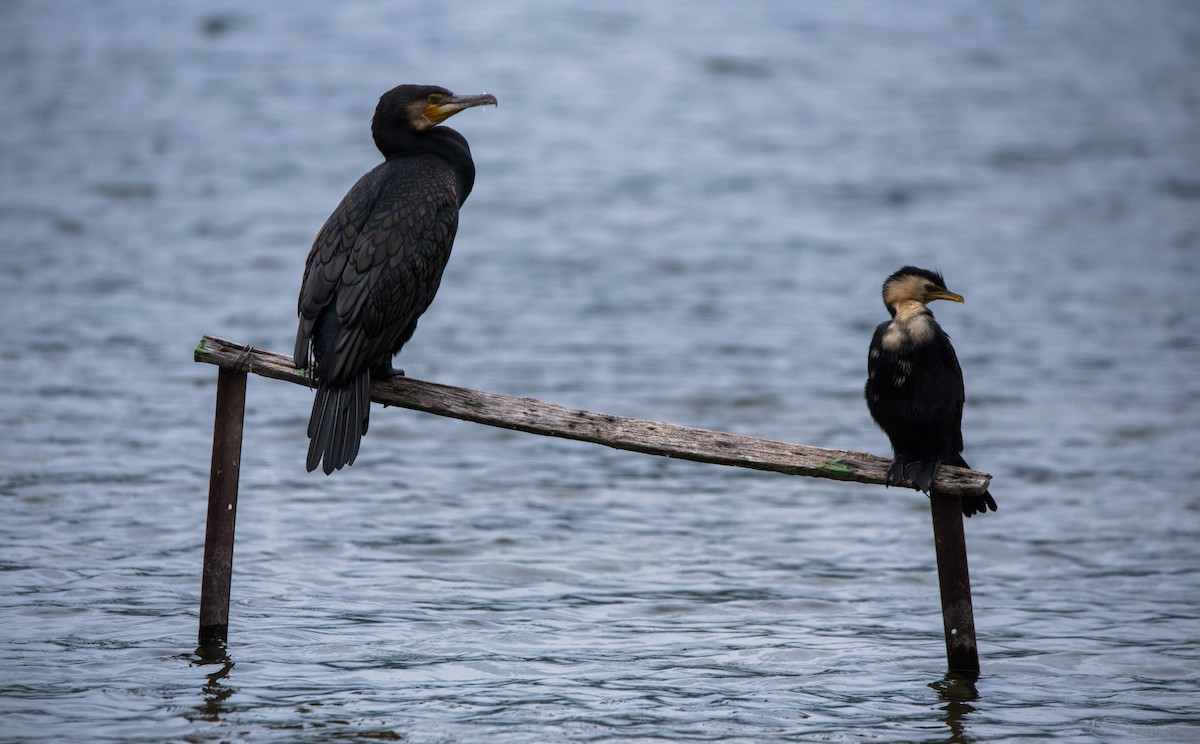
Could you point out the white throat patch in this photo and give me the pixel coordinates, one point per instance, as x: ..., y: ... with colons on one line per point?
x: 912, y: 326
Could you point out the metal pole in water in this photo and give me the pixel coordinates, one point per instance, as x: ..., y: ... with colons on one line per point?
x: 222, y: 509
x: 958, y: 615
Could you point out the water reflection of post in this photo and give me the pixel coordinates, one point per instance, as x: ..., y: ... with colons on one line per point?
x: 222, y: 511
x: 215, y: 694
x: 958, y: 616
x: 958, y: 692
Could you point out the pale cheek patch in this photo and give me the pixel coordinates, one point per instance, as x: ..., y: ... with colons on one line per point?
x: 417, y: 117
x: 904, y: 289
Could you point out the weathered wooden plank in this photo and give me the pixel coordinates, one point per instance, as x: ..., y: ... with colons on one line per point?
x: 637, y: 435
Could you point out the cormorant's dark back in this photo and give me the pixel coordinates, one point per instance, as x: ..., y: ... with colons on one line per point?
x: 915, y: 385
x: 377, y: 263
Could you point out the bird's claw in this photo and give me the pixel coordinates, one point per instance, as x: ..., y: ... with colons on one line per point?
x: 385, y: 370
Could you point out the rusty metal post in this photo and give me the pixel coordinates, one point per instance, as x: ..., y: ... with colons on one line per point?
x: 954, y: 579
x: 222, y: 509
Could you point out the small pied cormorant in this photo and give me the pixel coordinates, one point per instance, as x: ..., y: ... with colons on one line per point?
x: 914, y: 384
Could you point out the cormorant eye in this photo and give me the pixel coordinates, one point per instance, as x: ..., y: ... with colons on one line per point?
x: 433, y: 98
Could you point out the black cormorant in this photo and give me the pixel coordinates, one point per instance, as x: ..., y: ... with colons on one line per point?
x: 376, y: 264
x: 915, y: 385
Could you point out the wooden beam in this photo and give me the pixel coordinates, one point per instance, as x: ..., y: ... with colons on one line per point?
x: 637, y: 435
x: 537, y: 417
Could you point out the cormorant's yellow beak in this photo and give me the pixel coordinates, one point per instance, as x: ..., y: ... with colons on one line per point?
x: 943, y: 294
x: 446, y: 106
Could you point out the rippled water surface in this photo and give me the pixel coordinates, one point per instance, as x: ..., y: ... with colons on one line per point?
x: 683, y: 212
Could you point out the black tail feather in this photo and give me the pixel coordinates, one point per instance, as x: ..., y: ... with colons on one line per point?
x: 977, y: 504
x: 339, y: 420
x: 972, y: 505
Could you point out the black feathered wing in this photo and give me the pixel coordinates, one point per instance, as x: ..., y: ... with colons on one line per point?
x: 377, y: 263
x: 327, y: 259
x: 372, y: 271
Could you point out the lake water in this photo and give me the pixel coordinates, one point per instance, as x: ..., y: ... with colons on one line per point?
x: 683, y: 212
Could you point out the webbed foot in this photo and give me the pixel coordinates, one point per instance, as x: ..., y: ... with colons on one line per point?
x: 384, y: 370
x: 921, y: 473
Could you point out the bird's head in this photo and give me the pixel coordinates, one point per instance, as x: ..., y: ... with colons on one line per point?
x: 417, y: 108
x: 911, y: 284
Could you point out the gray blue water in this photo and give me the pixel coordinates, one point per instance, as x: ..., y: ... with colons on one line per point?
x: 683, y: 212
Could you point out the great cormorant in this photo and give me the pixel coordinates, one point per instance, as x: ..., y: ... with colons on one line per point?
x: 915, y: 385
x: 377, y: 263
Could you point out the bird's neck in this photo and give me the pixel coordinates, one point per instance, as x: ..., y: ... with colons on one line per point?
x: 438, y: 140
x: 912, y: 325
x: 443, y: 142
